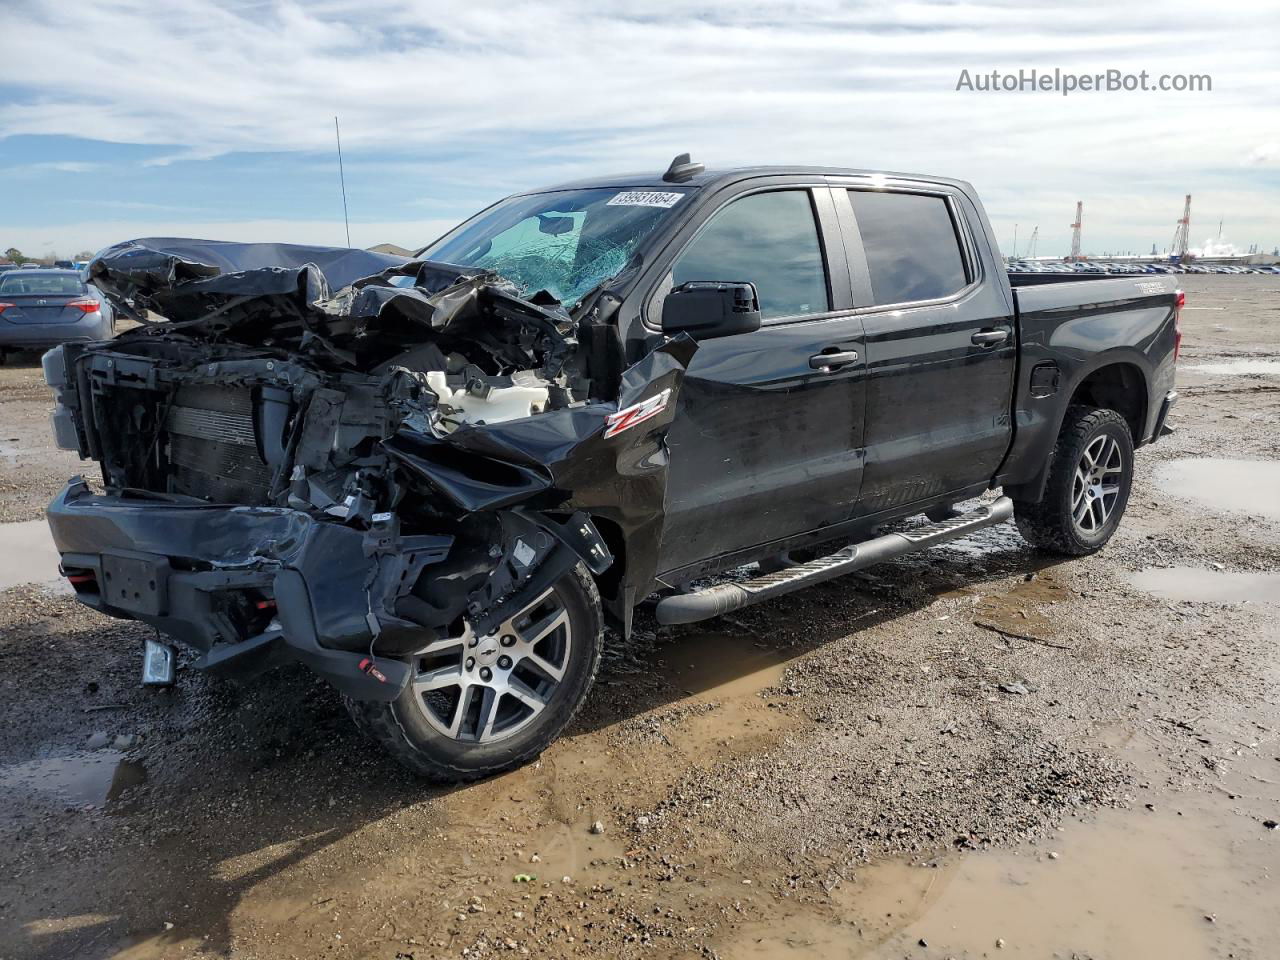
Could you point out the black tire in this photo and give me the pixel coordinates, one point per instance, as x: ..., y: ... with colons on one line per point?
x: 1051, y: 523
x: 401, y: 727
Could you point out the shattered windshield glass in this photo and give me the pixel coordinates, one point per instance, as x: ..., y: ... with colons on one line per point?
x: 566, y: 242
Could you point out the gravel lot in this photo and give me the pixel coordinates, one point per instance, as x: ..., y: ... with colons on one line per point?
x: 973, y: 750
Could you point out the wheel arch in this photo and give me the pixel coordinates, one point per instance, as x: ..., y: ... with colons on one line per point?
x: 612, y: 583
x: 1118, y: 385
x: 1113, y: 382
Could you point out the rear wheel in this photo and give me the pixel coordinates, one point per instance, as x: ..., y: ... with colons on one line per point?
x: 479, y: 705
x: 1090, y: 475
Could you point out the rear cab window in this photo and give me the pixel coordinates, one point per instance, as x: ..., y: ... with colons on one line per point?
x: 770, y: 239
x: 912, y: 246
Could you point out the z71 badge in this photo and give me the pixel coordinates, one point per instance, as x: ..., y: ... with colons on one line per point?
x: 628, y: 417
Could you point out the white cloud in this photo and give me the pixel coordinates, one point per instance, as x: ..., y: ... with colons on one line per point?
x: 48, y: 166
x: 860, y: 84
x: 1263, y: 153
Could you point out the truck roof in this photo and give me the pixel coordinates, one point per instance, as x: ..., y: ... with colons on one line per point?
x: 652, y: 179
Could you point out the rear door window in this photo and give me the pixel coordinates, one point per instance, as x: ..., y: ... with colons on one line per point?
x: 912, y: 246
x: 770, y: 239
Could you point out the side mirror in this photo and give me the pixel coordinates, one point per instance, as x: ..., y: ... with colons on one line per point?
x: 705, y: 309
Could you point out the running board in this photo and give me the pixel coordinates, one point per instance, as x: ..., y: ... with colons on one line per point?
x: 725, y: 597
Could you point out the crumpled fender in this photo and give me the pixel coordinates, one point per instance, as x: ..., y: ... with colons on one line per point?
x: 588, y: 458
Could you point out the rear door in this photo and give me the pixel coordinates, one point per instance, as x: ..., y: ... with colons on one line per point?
x: 767, y: 440
x: 940, y: 344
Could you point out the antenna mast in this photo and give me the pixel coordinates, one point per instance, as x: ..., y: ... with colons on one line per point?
x: 342, y: 178
x: 1035, y: 235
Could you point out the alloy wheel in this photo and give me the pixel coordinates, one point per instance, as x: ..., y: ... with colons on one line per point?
x: 484, y: 689
x: 1096, y: 485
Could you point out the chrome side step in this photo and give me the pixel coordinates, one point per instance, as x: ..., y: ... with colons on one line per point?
x: 725, y: 597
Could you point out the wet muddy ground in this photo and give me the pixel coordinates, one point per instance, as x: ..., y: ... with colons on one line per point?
x: 975, y: 752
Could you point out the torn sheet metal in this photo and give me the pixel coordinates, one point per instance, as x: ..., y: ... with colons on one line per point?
x: 568, y: 459
x: 346, y: 307
x: 166, y: 264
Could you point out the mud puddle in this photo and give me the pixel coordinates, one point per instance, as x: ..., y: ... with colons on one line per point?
x: 27, y: 555
x: 723, y: 664
x: 1173, y: 881
x: 1236, y: 368
x: 1222, y: 485
x: 717, y: 709
x: 87, y: 778
x: 1209, y: 586
x: 1026, y: 610
x: 1192, y: 873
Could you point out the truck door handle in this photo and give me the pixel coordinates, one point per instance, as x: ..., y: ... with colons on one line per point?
x: 829, y: 362
x: 989, y: 338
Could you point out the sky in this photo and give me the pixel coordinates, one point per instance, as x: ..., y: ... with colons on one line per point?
x: 130, y: 118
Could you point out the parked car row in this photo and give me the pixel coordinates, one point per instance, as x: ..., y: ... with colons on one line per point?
x: 1111, y: 267
x: 6, y: 265
x: 1218, y: 268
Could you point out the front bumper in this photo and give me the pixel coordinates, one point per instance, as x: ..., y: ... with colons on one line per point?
x: 191, y: 569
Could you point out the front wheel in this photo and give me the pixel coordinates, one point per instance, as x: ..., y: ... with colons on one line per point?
x: 479, y: 705
x: 1090, y: 475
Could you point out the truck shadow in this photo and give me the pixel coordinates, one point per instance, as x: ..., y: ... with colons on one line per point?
x: 244, y: 785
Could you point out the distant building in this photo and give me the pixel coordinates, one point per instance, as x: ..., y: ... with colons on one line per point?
x: 394, y: 249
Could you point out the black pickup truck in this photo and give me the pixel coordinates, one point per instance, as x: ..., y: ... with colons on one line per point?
x: 436, y: 480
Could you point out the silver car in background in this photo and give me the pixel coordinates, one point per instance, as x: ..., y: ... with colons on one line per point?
x: 42, y: 308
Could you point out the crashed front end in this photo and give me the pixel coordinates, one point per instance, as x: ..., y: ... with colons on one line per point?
x: 340, y: 478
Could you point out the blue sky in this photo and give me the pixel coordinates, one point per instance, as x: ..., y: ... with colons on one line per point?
x: 131, y: 118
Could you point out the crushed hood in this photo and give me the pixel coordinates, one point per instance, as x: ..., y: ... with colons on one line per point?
x: 353, y: 307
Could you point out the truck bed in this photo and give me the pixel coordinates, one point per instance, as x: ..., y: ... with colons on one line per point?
x: 1069, y: 329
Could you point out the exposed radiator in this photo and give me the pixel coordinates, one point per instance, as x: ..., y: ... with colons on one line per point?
x: 213, y: 446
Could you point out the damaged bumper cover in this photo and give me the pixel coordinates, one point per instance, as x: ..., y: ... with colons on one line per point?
x: 248, y: 587
x: 253, y: 587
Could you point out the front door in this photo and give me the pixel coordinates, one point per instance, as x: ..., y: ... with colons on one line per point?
x: 767, y: 441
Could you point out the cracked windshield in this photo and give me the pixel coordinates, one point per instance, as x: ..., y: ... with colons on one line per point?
x: 566, y: 242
